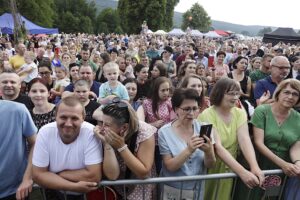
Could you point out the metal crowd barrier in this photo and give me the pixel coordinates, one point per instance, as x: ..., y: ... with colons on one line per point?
x: 183, y: 179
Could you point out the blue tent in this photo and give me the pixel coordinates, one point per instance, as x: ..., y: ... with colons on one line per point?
x: 7, y: 26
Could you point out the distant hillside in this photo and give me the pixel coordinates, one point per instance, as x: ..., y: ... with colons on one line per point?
x: 177, y: 20
x: 237, y: 28
x: 102, y: 4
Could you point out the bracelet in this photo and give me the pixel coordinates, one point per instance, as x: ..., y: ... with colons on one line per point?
x: 296, y: 161
x: 122, y: 148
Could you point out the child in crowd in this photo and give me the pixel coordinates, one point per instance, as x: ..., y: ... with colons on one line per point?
x: 81, y: 91
x: 61, y: 82
x: 29, y: 70
x: 112, y: 88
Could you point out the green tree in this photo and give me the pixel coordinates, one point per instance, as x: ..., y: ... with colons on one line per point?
x: 261, y: 32
x: 169, y: 14
x: 110, y: 18
x: 39, y: 12
x: 245, y: 33
x: 75, y: 16
x: 196, y: 18
x: 133, y: 13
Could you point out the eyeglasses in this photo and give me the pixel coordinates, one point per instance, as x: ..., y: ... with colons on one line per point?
x: 288, y: 93
x: 44, y: 73
x: 281, y: 67
x: 189, y: 109
x: 117, y: 101
x: 233, y: 93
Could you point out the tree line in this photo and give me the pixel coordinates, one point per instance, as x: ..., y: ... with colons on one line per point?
x: 73, y: 16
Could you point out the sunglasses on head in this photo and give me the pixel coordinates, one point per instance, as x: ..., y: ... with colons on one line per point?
x: 117, y: 101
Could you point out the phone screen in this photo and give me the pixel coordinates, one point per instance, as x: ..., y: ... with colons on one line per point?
x: 211, y: 61
x: 206, y: 130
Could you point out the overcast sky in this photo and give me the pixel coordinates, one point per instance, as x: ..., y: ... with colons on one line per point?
x: 251, y: 12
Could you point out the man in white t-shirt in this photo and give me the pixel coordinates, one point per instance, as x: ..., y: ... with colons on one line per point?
x: 67, y: 156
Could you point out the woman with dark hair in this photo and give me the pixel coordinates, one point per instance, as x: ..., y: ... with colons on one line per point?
x: 125, y: 71
x: 141, y: 73
x: 45, y: 72
x: 230, y: 129
x: 43, y: 112
x: 158, y: 109
x: 159, y: 69
x: 167, y: 60
x: 131, y: 87
x: 153, y: 62
x: 74, y: 72
x: 104, y: 58
x: 128, y: 147
x: 239, y: 65
x: 219, y: 69
x: 183, y: 151
x: 238, y: 74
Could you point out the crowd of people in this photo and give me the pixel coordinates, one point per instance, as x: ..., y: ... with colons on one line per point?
x: 78, y: 109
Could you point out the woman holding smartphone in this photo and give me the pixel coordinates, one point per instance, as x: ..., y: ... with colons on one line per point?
x: 183, y: 152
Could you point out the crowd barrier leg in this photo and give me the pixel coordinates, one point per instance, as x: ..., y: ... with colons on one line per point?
x: 217, y: 192
x: 181, y: 186
x: 233, y: 188
x: 282, y: 187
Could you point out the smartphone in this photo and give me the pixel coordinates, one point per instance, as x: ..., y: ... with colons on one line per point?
x: 205, y: 130
x: 211, y: 61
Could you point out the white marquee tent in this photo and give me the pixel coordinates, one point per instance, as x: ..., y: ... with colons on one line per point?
x: 176, y: 32
x: 196, y: 33
x: 160, y: 32
x: 212, y: 34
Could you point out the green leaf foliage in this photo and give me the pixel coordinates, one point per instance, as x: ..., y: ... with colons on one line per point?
x: 157, y: 13
x: 196, y: 18
x: 261, y: 32
x: 108, y: 21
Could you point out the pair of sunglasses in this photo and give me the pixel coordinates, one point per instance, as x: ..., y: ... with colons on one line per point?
x: 117, y: 101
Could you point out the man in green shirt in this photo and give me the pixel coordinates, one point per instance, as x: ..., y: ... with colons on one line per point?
x: 85, y: 59
x: 264, y: 70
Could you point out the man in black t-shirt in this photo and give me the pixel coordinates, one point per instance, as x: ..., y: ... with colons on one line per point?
x: 10, y: 85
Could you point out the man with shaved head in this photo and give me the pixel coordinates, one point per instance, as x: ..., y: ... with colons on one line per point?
x: 264, y: 88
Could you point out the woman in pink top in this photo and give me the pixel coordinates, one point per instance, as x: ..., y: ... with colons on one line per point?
x: 220, y: 69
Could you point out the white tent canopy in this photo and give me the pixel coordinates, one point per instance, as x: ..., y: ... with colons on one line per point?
x: 160, y: 32
x: 196, y: 33
x: 149, y: 31
x: 212, y: 34
x: 176, y: 32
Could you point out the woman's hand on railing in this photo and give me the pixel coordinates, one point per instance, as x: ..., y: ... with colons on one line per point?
x: 249, y: 179
x: 291, y: 169
x: 259, y: 174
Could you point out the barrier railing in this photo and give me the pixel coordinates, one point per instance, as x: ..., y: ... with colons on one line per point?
x: 183, y: 179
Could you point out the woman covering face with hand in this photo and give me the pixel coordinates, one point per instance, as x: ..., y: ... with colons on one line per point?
x: 128, y: 146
